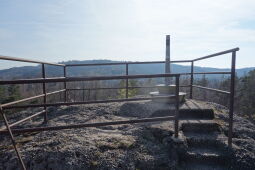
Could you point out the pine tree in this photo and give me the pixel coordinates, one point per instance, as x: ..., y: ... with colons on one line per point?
x: 13, y: 93
x: 203, y: 82
x: 131, y: 92
x: 246, y: 96
x: 2, y: 94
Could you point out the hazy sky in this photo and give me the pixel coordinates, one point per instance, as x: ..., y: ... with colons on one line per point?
x: 133, y: 30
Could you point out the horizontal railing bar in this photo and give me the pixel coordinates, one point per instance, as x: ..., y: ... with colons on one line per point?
x: 211, y: 89
x: 107, y: 88
x: 221, y: 72
x: 69, y: 79
x: 30, y: 98
x: 84, y: 125
x: 22, y: 100
x: 217, y: 54
x: 27, y: 118
x: 83, y: 102
x: 104, y: 64
x: 36, y: 80
x: 27, y: 60
x: 117, y: 63
x: 55, y: 92
x: 181, y: 61
x: 124, y: 63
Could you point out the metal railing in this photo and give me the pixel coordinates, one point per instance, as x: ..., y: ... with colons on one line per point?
x: 12, y: 105
x: 231, y: 93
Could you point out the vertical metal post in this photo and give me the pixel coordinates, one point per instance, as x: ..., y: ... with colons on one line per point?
x: 65, y: 96
x: 191, y: 80
x: 88, y: 94
x: 44, y: 92
x: 74, y: 95
x: 176, y: 123
x: 167, y: 63
x: 126, y: 81
x: 83, y: 95
x: 231, y: 100
x: 12, y: 139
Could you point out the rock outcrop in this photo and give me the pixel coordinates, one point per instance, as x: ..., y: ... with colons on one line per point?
x: 136, y: 146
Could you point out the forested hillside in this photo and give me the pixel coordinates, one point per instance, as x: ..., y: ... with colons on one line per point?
x: 51, y: 71
x: 245, y: 82
x: 244, y: 97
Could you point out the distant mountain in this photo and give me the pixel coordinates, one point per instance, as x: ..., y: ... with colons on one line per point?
x: 56, y: 71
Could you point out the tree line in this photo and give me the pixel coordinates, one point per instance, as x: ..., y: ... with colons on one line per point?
x: 244, y: 98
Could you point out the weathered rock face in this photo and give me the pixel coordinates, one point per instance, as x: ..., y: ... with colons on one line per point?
x: 137, y: 146
x: 243, y: 137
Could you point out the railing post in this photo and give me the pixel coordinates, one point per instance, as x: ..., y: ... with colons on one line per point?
x: 83, y: 91
x: 231, y: 100
x: 44, y: 92
x: 88, y: 94
x: 126, y: 80
x: 176, y: 123
x: 12, y: 138
x: 191, y: 80
x: 65, y: 96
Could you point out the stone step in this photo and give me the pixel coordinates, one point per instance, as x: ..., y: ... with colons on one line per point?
x: 195, y: 166
x: 210, y: 151
x: 213, y: 135
x: 167, y: 98
x: 200, y: 126
x: 205, y: 156
x: 196, y: 114
x: 186, y: 114
x: 216, y: 140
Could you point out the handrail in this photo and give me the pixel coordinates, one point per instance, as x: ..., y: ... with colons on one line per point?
x: 25, y: 119
x: 27, y: 60
x: 108, y: 88
x: 211, y: 89
x: 218, y: 72
x: 113, y: 63
x: 217, y: 54
x: 126, y: 62
x: 98, y: 124
x: 83, y: 102
x: 30, y: 98
x: 69, y: 79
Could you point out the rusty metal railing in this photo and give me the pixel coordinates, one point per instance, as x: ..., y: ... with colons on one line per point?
x: 44, y: 80
x: 231, y: 93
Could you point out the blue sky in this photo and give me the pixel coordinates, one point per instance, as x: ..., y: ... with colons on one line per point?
x: 134, y: 30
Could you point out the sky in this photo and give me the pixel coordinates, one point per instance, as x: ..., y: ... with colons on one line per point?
x: 130, y: 30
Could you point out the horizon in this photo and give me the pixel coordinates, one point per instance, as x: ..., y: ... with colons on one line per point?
x: 54, y: 31
x: 61, y: 62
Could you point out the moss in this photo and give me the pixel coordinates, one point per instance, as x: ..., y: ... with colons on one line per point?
x: 97, y: 154
x: 25, y: 139
x: 116, y: 143
x: 8, y: 147
x: 94, y: 163
x: 124, y: 144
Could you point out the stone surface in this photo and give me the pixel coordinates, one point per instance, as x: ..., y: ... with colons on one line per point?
x: 170, y: 97
x: 166, y: 89
x: 137, y: 146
